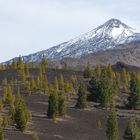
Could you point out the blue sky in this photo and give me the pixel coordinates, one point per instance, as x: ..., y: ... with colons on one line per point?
x: 28, y: 26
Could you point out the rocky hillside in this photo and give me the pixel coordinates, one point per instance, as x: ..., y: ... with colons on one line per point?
x: 128, y: 54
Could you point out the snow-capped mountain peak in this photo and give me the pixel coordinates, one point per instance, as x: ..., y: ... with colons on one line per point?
x: 116, y: 28
x: 113, y: 28
x: 107, y: 36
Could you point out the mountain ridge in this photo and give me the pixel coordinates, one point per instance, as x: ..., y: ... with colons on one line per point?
x: 105, y: 37
x: 128, y: 54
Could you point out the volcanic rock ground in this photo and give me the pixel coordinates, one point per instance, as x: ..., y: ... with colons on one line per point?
x: 76, y: 125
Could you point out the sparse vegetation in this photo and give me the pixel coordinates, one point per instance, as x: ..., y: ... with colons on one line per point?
x: 61, y: 92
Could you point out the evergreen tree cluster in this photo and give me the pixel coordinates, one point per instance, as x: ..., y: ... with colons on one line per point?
x: 103, y: 86
x: 57, y: 100
x: 18, y: 111
x: 133, y: 101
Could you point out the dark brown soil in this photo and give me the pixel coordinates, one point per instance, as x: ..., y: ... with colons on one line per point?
x: 76, y: 125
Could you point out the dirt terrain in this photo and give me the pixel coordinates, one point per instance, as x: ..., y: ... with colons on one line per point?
x: 76, y: 125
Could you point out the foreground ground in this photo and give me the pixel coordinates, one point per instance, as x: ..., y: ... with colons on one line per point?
x: 76, y: 125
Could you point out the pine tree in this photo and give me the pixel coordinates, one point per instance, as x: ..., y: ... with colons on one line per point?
x: 105, y: 89
x: 32, y: 84
x: 98, y: 70
x: 62, y: 103
x: 69, y: 87
x: 125, y: 80
x: 38, y: 82
x: 26, y: 69
x: 20, y: 118
x: 43, y: 65
x: 61, y: 82
x: 22, y: 74
x: 82, y: 97
x: 1, y: 118
x: 128, y: 77
x: 88, y: 71
x: 5, y: 121
x: 44, y: 85
x: 112, y: 125
x: 93, y: 88
x: 8, y: 95
x: 110, y: 72
x: 1, y: 134
x: 52, y: 111
x: 40, y: 71
x: 134, y: 96
x: 118, y: 78
x: 28, y: 114
x: 1, y: 104
x: 22, y: 115
x: 28, y: 87
x: 5, y: 92
x: 40, y: 79
x: 56, y: 86
x: 17, y: 97
x: 73, y: 78
x: 137, y: 75
x: 21, y: 69
x: 9, y: 66
x: 12, y: 115
x: 14, y: 64
x: 132, y: 132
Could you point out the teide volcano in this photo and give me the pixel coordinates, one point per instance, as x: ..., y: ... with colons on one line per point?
x: 108, y: 36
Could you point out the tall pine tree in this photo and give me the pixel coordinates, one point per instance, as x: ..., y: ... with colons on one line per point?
x: 52, y: 111
x: 22, y: 115
x: 88, y: 71
x: 82, y: 97
x: 62, y: 103
x: 134, y: 96
x: 112, y: 125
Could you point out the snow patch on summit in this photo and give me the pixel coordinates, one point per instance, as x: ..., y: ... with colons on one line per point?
x: 117, y: 31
